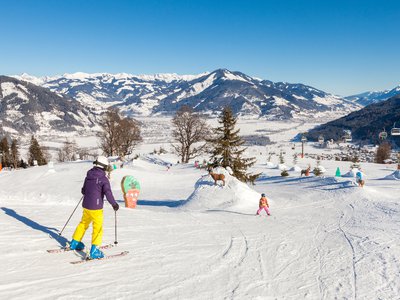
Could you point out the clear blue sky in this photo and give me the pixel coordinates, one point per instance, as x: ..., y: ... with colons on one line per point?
x: 340, y: 46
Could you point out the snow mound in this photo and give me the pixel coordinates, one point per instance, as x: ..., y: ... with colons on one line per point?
x: 235, y: 194
x: 336, y: 183
x: 394, y: 176
x: 282, y: 167
x: 295, y: 169
x: 351, y: 173
x: 271, y: 165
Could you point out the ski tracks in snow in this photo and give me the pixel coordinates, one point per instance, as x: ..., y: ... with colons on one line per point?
x: 353, y: 252
x: 219, y: 270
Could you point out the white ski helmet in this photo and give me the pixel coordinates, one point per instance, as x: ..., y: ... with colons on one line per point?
x: 101, y: 161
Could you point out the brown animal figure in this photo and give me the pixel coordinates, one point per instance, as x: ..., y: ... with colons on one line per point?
x: 217, y: 177
x: 306, y: 172
x: 361, y: 183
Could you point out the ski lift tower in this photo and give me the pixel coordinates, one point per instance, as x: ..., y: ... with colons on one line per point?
x: 303, y: 140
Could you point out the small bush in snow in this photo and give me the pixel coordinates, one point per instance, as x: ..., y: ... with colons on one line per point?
x: 317, y: 171
x: 162, y: 151
x: 284, y: 173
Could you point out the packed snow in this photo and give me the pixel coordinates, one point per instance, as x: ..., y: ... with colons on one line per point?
x: 188, y: 238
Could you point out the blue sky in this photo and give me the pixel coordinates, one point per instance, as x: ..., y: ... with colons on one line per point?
x: 340, y: 46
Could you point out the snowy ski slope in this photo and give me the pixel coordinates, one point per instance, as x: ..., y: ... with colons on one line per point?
x: 188, y: 239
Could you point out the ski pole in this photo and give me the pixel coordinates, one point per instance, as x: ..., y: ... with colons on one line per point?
x: 71, y: 216
x: 115, y: 242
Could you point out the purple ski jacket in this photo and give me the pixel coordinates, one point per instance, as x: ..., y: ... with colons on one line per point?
x: 94, y: 189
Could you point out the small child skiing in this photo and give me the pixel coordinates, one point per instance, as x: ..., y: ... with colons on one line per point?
x: 94, y: 189
x: 360, y: 178
x: 263, y: 204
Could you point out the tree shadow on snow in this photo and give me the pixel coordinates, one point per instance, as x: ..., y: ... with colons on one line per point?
x: 52, y: 232
x: 339, y: 185
x: 280, y: 179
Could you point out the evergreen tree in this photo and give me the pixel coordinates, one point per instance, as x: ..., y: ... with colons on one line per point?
x: 14, y: 153
x: 317, y: 171
x: 36, y: 153
x: 228, y: 150
x: 5, y: 152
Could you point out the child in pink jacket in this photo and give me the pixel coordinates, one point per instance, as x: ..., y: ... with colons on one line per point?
x: 263, y: 204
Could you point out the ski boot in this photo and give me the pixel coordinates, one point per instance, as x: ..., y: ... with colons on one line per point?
x: 75, y: 245
x: 95, y: 252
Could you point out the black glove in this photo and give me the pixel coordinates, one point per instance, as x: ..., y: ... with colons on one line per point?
x: 116, y: 206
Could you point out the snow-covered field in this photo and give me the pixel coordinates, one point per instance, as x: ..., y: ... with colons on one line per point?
x: 188, y: 239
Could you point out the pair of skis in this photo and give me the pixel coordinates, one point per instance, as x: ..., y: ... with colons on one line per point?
x: 87, y: 258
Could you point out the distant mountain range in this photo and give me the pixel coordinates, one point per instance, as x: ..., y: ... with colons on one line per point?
x: 75, y: 101
x: 368, y: 98
x: 207, y: 93
x: 25, y: 107
x: 365, y: 124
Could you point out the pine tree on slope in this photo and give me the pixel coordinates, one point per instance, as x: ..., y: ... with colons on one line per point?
x: 5, y: 152
x: 14, y: 156
x: 228, y: 150
x: 36, y: 153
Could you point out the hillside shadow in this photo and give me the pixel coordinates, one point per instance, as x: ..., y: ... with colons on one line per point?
x: 52, y: 232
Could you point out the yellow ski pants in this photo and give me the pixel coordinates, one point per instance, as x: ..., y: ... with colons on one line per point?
x: 89, y: 216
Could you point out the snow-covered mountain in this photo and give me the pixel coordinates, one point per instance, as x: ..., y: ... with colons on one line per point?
x: 28, y: 108
x: 206, y: 92
x: 373, y: 97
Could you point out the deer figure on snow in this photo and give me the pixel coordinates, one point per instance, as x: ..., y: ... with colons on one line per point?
x: 306, y: 172
x: 217, y: 177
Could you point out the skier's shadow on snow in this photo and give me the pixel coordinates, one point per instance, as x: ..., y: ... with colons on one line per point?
x: 52, y: 232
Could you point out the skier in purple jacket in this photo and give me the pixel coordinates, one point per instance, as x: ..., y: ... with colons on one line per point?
x: 94, y: 189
